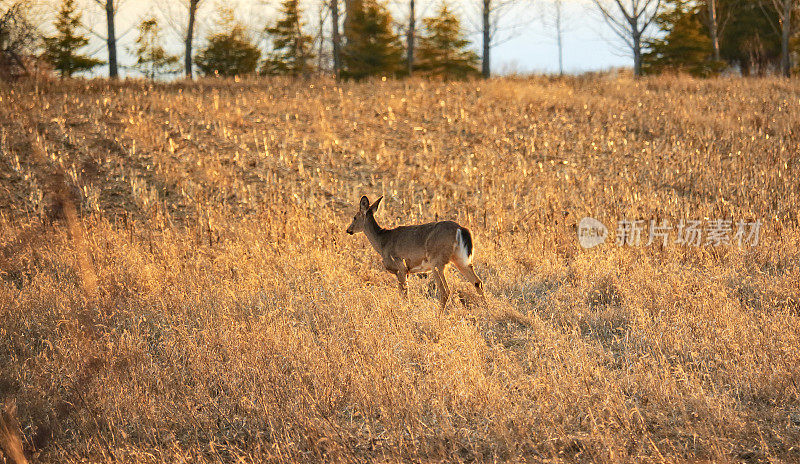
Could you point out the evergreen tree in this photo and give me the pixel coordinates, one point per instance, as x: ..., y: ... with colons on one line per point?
x: 372, y: 48
x: 152, y: 59
x: 61, y: 50
x: 750, y: 39
x: 292, y: 50
x: 442, y: 48
x: 686, y: 47
x: 746, y: 32
x: 230, y: 52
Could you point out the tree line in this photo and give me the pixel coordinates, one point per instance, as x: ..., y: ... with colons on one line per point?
x: 706, y: 37
x: 368, y: 44
x: 700, y: 37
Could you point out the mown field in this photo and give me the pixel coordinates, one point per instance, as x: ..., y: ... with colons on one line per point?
x: 176, y: 284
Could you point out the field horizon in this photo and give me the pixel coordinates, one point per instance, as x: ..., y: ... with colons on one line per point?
x: 176, y: 283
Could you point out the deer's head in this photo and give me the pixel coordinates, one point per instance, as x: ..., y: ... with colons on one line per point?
x: 363, y: 208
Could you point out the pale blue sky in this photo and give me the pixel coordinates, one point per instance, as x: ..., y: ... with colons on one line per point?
x: 530, y: 45
x: 588, y: 44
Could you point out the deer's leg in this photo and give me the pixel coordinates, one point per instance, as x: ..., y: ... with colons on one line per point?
x: 397, y: 266
x: 469, y: 273
x: 441, y: 281
x: 401, y: 279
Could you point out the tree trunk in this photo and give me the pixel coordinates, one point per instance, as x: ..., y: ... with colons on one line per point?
x: 351, y: 9
x: 111, y: 41
x: 187, y: 59
x: 637, y: 55
x: 337, y: 57
x: 411, y: 32
x: 559, y: 38
x: 321, y: 39
x: 487, y: 35
x: 786, y: 32
x: 713, y: 28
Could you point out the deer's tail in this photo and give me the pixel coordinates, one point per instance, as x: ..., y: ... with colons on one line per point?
x: 463, y: 250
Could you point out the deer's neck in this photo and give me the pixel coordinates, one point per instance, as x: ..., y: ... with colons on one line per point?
x: 373, y: 232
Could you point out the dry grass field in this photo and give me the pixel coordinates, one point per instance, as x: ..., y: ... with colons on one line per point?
x: 176, y: 284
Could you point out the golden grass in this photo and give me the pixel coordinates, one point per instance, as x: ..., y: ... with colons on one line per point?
x: 205, y: 305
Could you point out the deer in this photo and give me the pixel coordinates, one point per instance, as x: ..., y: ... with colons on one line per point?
x: 422, y: 248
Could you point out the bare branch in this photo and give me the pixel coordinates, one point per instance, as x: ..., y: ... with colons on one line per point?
x: 630, y: 24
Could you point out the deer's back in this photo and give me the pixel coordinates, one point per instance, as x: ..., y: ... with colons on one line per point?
x: 416, y: 243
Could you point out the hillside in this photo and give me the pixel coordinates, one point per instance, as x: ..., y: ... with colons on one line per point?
x: 176, y: 284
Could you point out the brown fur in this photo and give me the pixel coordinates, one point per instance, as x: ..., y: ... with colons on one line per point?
x: 10, y: 442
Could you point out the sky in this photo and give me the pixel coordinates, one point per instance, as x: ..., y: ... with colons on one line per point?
x: 527, y: 42
x: 588, y: 44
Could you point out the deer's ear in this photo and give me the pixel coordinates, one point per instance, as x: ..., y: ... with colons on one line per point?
x: 374, y: 206
x: 364, y: 204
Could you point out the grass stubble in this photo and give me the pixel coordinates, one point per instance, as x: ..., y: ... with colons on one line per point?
x: 176, y: 284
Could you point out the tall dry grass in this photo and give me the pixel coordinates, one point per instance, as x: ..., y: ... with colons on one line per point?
x: 201, y: 302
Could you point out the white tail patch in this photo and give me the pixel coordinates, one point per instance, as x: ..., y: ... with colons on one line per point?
x: 461, y: 252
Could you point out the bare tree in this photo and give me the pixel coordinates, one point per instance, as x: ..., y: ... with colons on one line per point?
x: 336, y: 46
x: 19, y: 39
x: 182, y: 17
x: 785, y: 9
x: 555, y: 19
x: 412, y: 30
x: 718, y: 18
x: 486, y: 32
x: 319, y: 39
x: 629, y: 19
x: 713, y: 28
x: 351, y: 10
x: 110, y: 7
x: 495, y: 29
x: 415, y: 9
x: 187, y: 59
x: 559, y: 32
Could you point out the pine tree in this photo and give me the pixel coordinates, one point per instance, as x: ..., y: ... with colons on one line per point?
x: 686, y: 47
x: 746, y: 32
x: 152, y: 59
x: 228, y: 53
x: 372, y: 48
x: 292, y: 52
x: 750, y: 39
x: 61, y: 50
x: 442, y: 48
